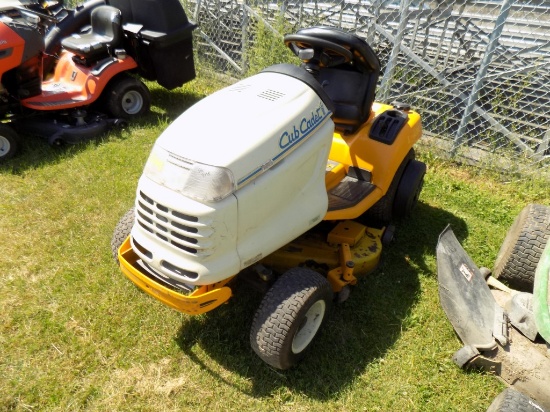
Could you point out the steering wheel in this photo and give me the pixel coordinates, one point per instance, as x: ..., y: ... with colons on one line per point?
x: 50, y: 5
x: 316, y: 51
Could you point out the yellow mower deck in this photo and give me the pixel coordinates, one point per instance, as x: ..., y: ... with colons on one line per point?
x: 350, y: 249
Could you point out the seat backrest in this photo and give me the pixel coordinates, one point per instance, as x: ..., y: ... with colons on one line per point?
x: 351, y: 86
x: 104, y: 36
x: 106, y: 21
x: 352, y: 94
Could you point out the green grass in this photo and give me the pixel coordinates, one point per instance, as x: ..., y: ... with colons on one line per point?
x: 76, y: 335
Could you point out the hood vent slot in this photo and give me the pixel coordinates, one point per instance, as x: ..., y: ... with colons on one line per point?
x: 271, y: 95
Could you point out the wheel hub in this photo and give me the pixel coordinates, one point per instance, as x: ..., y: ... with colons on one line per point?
x: 309, y: 327
x: 4, y: 146
x: 132, y: 102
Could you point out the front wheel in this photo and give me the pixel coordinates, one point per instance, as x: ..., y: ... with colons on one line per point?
x: 9, y: 142
x: 127, y: 98
x: 122, y: 231
x: 290, y: 316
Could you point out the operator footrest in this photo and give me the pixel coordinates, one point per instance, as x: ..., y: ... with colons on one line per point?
x: 348, y: 193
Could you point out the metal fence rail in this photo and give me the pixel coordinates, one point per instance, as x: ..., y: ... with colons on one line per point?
x: 477, y: 71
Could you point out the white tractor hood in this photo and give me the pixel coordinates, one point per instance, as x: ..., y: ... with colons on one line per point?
x: 247, y: 127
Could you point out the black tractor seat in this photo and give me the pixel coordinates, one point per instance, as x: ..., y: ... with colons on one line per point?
x: 106, y: 34
x: 350, y: 86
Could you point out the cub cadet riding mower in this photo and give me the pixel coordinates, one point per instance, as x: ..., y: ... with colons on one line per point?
x: 292, y: 154
x: 51, y: 73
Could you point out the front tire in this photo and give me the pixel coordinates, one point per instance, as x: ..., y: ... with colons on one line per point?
x: 9, y: 142
x: 127, y: 98
x: 290, y: 316
x: 122, y: 231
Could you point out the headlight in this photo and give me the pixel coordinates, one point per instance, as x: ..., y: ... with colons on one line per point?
x: 192, y: 179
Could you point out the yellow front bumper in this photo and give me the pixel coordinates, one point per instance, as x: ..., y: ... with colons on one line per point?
x: 201, y: 300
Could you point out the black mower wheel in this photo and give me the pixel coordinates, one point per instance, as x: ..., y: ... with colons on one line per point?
x: 388, y: 236
x: 122, y: 231
x: 127, y: 98
x: 522, y: 248
x: 381, y: 213
x: 290, y: 316
x: 511, y: 400
x: 409, y: 188
x: 9, y: 142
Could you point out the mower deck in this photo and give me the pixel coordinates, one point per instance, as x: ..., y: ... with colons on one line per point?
x: 350, y: 249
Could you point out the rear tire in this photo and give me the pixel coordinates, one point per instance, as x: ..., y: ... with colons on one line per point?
x: 122, y: 231
x: 127, y: 98
x: 522, y: 248
x: 381, y: 213
x: 290, y: 316
x: 9, y: 142
x: 409, y: 189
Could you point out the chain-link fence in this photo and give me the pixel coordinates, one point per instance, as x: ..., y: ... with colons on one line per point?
x: 477, y: 71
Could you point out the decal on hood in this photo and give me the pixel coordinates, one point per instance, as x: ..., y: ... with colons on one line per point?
x: 293, y: 136
x: 303, y: 128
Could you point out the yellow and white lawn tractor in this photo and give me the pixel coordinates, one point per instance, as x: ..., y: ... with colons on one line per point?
x: 271, y: 179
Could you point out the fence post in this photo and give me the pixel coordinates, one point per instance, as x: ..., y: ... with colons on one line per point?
x: 392, y: 62
x: 197, y: 9
x: 478, y: 83
x: 544, y: 145
x: 284, y: 6
x: 356, y: 20
x: 244, y: 39
x: 371, y: 23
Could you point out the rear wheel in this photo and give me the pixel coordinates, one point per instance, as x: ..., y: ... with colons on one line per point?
x: 9, y: 142
x: 522, y: 248
x: 381, y: 213
x: 290, y: 316
x: 122, y: 231
x: 127, y: 98
x: 409, y: 188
